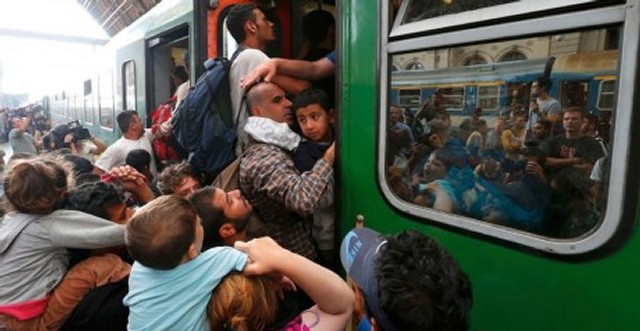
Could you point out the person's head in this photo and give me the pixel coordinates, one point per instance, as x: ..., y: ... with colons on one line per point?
x: 540, y: 87
x: 269, y: 100
x: 178, y: 179
x: 248, y: 25
x: 251, y: 311
x: 443, y: 116
x: 590, y: 124
x: 80, y: 165
x: 140, y: 160
x: 395, y: 114
x: 164, y: 233
x: 224, y: 215
x: 480, y: 126
x: 542, y: 129
x: 36, y: 186
x: 519, y: 120
x: 319, y: 27
x: 130, y: 124
x: 436, y: 166
x: 99, y: 199
x: 408, y: 281
x: 572, y: 118
x: 19, y: 122
x: 179, y: 75
x: 314, y: 115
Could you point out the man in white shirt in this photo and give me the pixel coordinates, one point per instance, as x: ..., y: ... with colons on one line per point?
x: 134, y: 136
x: 254, y: 32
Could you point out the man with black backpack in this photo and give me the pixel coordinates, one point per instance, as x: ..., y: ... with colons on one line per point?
x: 253, y: 31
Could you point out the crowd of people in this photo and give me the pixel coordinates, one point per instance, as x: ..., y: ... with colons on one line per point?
x: 115, y: 240
x: 540, y: 172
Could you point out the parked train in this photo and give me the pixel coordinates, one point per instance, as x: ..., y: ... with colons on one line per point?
x: 522, y: 280
x: 584, y: 80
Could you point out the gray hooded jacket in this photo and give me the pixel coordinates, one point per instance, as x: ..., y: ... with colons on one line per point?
x: 33, y: 249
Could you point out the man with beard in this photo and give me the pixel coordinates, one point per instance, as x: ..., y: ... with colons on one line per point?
x: 224, y: 216
x: 543, y: 106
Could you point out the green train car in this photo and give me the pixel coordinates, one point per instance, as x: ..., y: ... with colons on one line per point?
x: 578, y: 271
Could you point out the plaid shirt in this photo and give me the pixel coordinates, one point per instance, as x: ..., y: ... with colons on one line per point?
x: 282, y: 196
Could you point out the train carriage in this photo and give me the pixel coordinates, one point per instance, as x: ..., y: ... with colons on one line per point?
x: 477, y: 53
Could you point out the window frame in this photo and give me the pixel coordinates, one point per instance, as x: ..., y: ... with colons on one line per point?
x: 622, y: 196
x: 129, y: 91
x: 600, y: 94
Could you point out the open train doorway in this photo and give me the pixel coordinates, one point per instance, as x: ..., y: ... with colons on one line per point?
x: 165, y: 65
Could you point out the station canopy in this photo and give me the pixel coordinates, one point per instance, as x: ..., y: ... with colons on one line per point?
x: 115, y: 15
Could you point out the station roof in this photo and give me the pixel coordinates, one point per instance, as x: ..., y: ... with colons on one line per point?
x: 115, y: 15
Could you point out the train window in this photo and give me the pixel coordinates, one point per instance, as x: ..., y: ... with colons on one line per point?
x: 606, y: 95
x: 409, y: 98
x: 453, y: 98
x: 488, y: 97
x: 479, y: 155
x: 129, y: 85
x: 105, y: 87
x: 88, y: 102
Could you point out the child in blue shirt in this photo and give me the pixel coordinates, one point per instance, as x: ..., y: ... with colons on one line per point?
x: 315, y: 119
x: 171, y: 281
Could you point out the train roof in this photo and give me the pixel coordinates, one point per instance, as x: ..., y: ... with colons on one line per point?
x: 165, y: 14
x: 594, y: 63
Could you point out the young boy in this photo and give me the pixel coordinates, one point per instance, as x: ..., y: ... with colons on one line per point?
x: 36, y: 291
x: 315, y: 119
x: 171, y: 281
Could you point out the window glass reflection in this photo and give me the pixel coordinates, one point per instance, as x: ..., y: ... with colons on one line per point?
x: 518, y: 141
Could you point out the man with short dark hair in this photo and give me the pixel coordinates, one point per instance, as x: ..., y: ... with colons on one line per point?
x: 178, y: 179
x: 134, y: 136
x: 253, y: 32
x: 224, y: 216
x: 543, y: 106
x: 408, y: 282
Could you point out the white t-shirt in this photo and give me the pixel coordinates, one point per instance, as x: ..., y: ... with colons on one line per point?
x: 243, y: 65
x: 116, y: 154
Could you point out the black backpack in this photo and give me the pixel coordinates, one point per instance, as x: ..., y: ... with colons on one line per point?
x: 203, y: 123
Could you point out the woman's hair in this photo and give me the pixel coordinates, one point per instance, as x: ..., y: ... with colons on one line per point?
x: 36, y: 186
x: 251, y: 311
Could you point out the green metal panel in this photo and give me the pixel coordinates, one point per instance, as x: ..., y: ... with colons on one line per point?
x: 513, y: 289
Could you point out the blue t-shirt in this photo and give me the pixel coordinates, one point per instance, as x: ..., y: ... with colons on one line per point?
x: 177, y: 299
x: 332, y: 57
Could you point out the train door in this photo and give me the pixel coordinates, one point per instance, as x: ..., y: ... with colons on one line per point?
x: 165, y: 53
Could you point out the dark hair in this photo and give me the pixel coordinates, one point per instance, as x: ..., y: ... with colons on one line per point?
x: 544, y: 83
x: 421, y: 286
x: 311, y: 96
x: 80, y: 164
x: 212, y: 217
x: 173, y: 176
x: 94, y: 198
x: 125, y: 119
x: 237, y: 17
x: 181, y: 73
x: 139, y: 159
x: 159, y: 234
x: 573, y: 110
x: 316, y: 24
